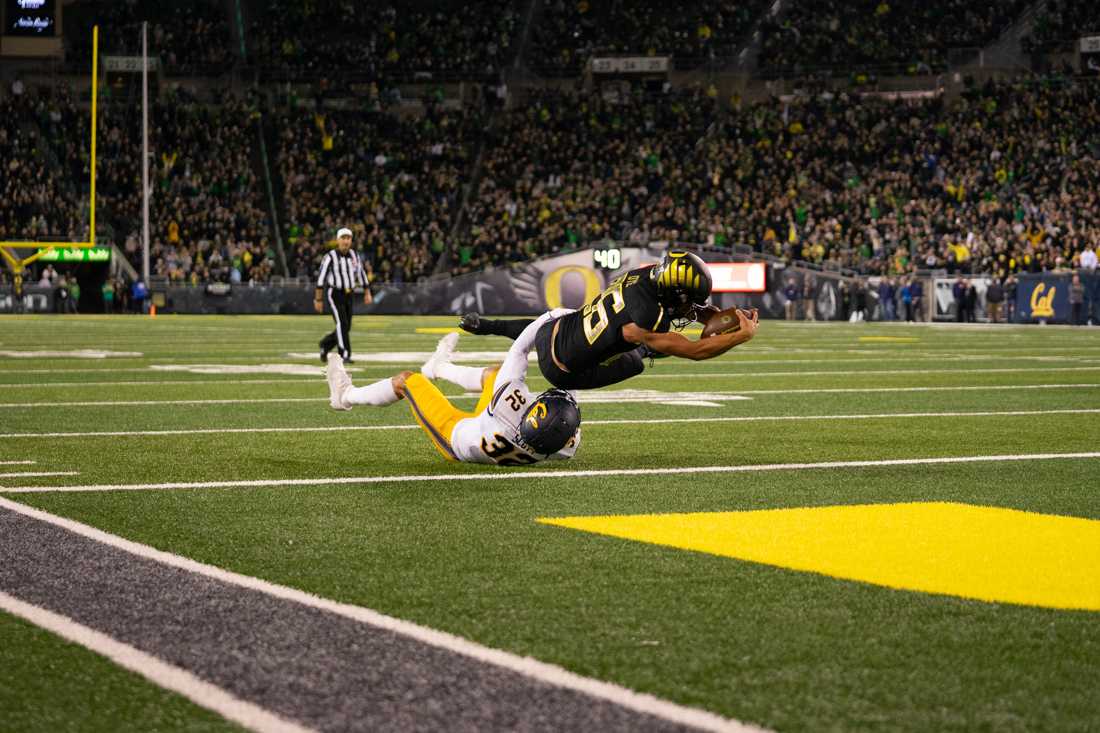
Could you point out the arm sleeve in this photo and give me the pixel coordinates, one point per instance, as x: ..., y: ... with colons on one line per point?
x: 362, y: 271
x: 514, y: 367
x: 324, y: 271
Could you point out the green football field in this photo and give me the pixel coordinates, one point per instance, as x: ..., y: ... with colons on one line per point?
x: 834, y: 526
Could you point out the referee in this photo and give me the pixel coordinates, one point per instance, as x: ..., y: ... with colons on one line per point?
x: 341, y: 273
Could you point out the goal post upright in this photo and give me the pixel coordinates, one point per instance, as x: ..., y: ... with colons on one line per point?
x: 95, y: 99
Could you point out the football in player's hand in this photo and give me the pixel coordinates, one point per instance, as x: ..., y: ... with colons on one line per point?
x: 722, y: 322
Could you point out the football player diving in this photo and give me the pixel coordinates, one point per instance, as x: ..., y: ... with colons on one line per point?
x: 509, y: 427
x: 606, y: 341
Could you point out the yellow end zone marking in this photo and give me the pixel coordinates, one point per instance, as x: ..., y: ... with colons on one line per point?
x: 983, y: 553
x: 888, y: 339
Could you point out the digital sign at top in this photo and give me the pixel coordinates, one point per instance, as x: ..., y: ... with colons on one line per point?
x: 30, y: 18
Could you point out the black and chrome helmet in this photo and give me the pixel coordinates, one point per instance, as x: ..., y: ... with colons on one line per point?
x: 683, y: 282
x: 550, y: 421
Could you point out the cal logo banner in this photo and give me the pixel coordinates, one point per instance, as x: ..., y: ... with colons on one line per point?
x: 1043, y: 298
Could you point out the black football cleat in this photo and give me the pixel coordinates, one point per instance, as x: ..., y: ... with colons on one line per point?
x: 324, y: 351
x: 471, y: 323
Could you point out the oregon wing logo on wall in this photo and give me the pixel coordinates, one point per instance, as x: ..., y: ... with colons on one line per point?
x: 570, y: 280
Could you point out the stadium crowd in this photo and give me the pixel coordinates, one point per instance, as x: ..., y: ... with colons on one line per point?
x: 321, y: 37
x: 570, y: 31
x: 189, y: 38
x: 1005, y: 178
x: 37, y: 200
x: 1002, y: 180
x: 1060, y: 23
x: 569, y: 168
x: 849, y: 34
x: 395, y: 180
x: 208, y: 220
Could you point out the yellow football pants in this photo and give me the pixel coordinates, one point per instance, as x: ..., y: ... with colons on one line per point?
x: 436, y: 415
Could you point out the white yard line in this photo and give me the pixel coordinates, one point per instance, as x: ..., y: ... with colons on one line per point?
x: 587, y: 423
x: 141, y: 403
x: 526, y: 666
x: 870, y: 372
x: 868, y: 390
x: 824, y: 390
x: 228, y: 379
x: 156, y: 671
x: 28, y: 474
x: 496, y: 474
x: 17, y: 463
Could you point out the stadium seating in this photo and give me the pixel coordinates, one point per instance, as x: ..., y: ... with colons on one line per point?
x: 396, y: 181
x: 564, y: 170
x: 865, y: 34
x: 206, y: 196
x: 570, y: 31
x: 335, y: 38
x: 1060, y: 23
x: 37, y: 199
x: 847, y: 182
x: 1001, y: 179
x: 189, y: 38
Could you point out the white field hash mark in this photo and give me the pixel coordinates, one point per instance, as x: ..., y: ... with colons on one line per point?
x: 161, y: 673
x: 526, y: 666
x: 496, y: 474
x: 587, y: 423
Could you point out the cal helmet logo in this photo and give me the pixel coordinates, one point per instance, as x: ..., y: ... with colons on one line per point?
x: 538, y: 411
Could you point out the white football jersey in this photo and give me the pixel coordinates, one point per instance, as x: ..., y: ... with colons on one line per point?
x: 494, y: 437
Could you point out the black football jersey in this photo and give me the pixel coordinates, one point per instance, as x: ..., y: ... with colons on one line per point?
x: 594, y: 333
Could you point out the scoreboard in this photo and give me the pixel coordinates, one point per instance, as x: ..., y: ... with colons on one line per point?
x: 30, y: 18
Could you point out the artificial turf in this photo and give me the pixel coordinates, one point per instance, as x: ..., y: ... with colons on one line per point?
x: 763, y: 644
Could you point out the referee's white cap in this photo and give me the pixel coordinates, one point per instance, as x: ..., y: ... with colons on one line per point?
x: 345, y: 232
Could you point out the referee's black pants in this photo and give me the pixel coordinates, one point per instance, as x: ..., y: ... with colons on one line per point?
x: 339, y: 303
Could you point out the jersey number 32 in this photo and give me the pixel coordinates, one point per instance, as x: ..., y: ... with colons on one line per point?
x: 504, y: 453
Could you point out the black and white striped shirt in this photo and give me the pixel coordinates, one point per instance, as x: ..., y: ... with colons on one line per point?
x: 343, y: 272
